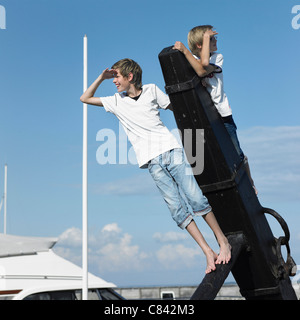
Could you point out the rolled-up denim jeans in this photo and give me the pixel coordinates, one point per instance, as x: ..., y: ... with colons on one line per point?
x: 174, y: 178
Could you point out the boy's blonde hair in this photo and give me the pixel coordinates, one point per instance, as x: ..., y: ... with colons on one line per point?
x: 126, y: 66
x: 195, y: 37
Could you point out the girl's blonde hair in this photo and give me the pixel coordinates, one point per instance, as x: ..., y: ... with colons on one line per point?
x: 195, y: 37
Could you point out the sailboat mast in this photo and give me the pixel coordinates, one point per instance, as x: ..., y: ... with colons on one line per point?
x: 84, y: 182
x: 5, y: 197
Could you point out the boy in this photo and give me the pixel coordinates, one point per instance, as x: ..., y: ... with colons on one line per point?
x: 136, y: 107
x: 208, y: 64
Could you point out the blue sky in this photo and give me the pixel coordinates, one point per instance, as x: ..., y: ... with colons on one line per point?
x: 133, y: 240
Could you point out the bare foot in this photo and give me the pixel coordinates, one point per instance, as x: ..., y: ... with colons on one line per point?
x: 225, y: 253
x: 211, y: 257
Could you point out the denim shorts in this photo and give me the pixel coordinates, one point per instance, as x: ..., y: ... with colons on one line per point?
x: 174, y: 178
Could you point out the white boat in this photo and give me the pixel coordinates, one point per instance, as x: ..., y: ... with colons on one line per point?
x: 30, y: 270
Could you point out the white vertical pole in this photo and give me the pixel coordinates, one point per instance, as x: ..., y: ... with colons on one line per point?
x: 84, y: 183
x: 5, y: 196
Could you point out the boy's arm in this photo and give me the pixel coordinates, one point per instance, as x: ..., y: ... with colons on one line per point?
x: 196, y: 64
x: 200, y: 68
x: 88, y: 95
x: 205, y: 50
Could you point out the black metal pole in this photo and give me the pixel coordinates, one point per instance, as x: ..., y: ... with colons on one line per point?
x: 212, y: 282
x: 260, y: 271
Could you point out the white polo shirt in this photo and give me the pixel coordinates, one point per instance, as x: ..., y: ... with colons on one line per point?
x: 215, y: 86
x: 141, y: 122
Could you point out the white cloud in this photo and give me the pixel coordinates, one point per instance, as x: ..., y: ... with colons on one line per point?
x: 68, y: 253
x: 112, y: 227
x: 110, y: 249
x: 136, y: 185
x: 170, y: 236
x: 178, y: 256
x: 121, y: 255
x: 72, y: 237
